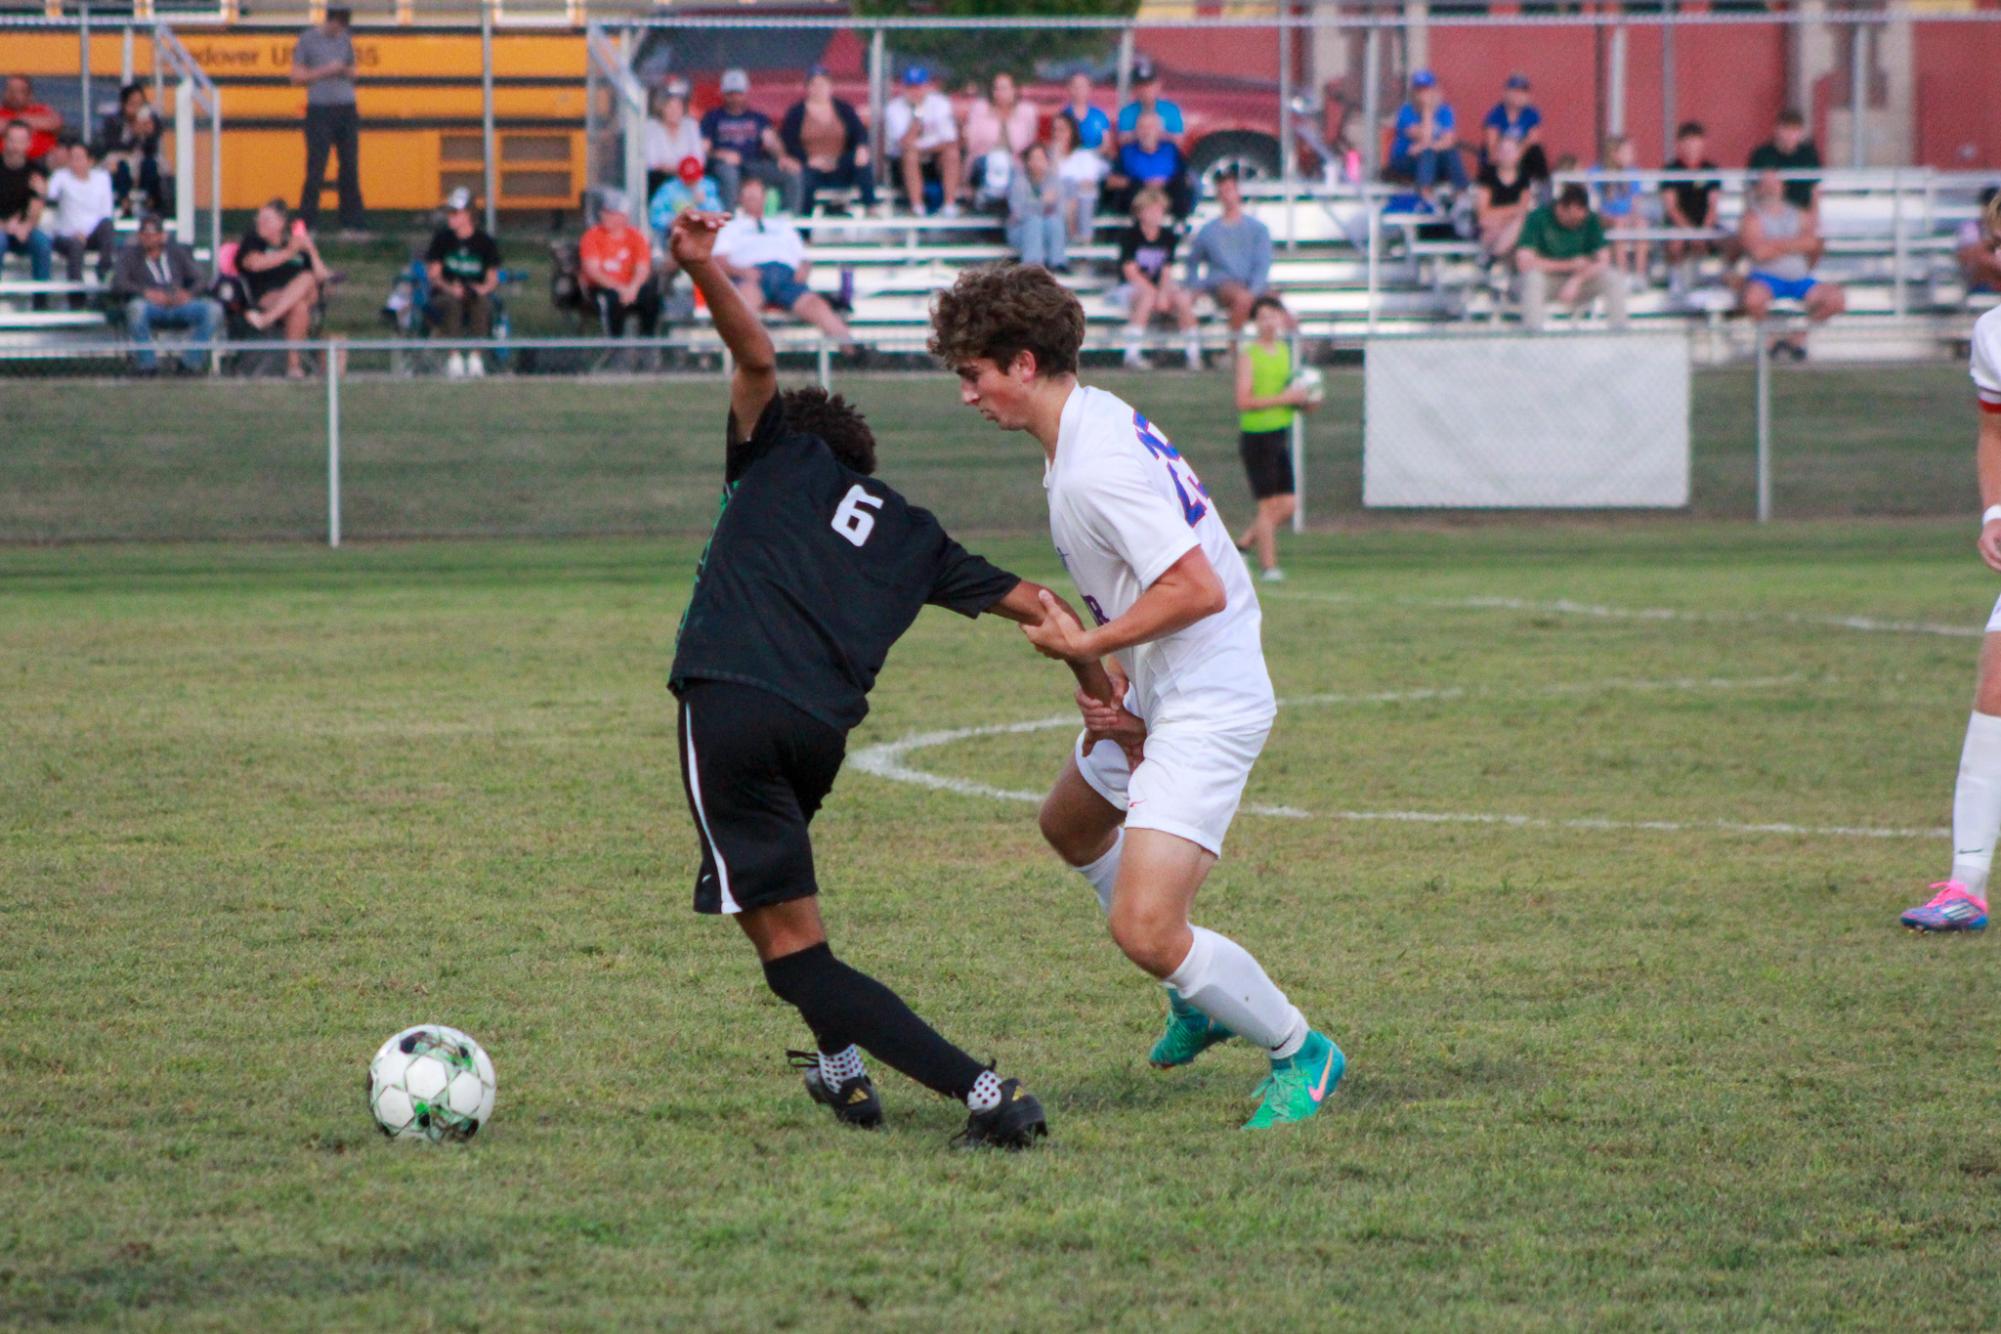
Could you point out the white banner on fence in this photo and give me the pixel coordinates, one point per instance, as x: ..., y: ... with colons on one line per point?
x: 1515, y: 421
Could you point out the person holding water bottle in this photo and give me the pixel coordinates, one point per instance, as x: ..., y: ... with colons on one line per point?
x: 1269, y: 396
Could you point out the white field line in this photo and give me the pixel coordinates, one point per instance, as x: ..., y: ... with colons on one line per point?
x: 1598, y: 611
x: 890, y: 760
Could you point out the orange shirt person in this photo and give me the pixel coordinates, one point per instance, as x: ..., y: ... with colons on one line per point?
x: 616, y: 259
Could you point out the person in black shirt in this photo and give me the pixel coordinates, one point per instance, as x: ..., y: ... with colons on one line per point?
x: 23, y: 196
x: 1691, y: 203
x: 1502, y: 199
x: 1790, y: 150
x: 464, y: 267
x: 282, y: 273
x: 1146, y: 257
x: 814, y: 570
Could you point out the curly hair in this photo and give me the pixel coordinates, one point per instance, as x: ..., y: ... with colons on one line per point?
x: 813, y: 411
x: 999, y: 311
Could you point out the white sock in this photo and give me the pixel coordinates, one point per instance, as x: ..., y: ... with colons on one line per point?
x: 1220, y: 978
x: 841, y: 1066
x: 986, y: 1093
x: 1104, y: 872
x: 1976, y: 804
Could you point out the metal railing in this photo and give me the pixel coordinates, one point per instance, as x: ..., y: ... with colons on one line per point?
x: 610, y: 71
x: 194, y: 92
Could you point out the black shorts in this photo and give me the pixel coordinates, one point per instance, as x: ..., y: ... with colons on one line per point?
x: 1267, y: 459
x: 755, y: 769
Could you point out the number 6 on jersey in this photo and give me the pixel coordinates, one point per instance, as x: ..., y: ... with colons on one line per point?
x: 851, y: 520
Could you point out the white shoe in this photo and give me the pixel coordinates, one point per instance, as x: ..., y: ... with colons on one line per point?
x: 1194, y: 355
x: 1135, y: 359
x: 455, y: 366
x: 950, y: 210
x: 1273, y: 576
x: 475, y: 365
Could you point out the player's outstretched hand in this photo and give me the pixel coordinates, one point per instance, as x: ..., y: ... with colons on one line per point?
x: 1057, y: 635
x: 1990, y: 545
x: 693, y: 239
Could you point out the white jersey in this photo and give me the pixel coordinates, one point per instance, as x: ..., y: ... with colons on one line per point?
x: 1987, y: 360
x: 1124, y: 506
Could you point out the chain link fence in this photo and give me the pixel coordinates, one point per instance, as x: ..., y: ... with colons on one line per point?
x: 575, y: 437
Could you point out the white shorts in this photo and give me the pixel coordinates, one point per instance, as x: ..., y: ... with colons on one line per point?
x: 1189, y: 784
x: 1994, y: 619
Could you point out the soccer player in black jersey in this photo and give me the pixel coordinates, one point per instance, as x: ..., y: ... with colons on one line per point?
x: 814, y: 570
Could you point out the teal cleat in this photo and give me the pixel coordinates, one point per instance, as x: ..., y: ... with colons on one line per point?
x: 1189, y: 1033
x: 1297, y: 1087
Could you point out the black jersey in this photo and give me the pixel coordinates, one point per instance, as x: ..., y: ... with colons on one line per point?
x: 813, y: 571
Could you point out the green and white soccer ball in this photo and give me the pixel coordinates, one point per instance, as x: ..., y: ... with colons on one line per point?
x: 1312, y: 381
x: 431, y: 1083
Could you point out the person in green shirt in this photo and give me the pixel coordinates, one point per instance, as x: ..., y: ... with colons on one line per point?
x: 1564, y: 257
x: 1267, y: 402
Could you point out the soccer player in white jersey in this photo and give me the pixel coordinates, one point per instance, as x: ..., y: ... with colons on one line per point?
x: 1959, y: 902
x: 1175, y: 609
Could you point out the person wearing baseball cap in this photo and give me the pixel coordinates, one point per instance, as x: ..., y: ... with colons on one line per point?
x: 1426, y: 145
x: 615, y: 260
x: 1146, y: 97
x: 671, y: 136
x: 464, y: 266
x: 1514, y: 117
x: 921, y: 129
x: 688, y: 188
x: 743, y: 142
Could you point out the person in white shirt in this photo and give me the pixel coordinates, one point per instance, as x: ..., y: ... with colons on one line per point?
x: 1176, y: 613
x: 1959, y: 902
x: 919, y: 127
x: 672, y: 136
x: 82, y: 201
x: 1079, y: 172
x: 766, y: 257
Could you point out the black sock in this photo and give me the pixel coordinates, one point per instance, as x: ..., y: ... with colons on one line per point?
x: 842, y: 1005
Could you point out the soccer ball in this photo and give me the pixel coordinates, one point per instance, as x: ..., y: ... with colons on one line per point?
x: 1312, y: 381
x: 432, y: 1083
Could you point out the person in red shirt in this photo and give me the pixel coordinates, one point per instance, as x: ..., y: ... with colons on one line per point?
x: 18, y: 103
x: 617, y: 263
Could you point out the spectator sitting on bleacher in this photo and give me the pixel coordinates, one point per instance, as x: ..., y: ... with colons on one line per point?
x: 999, y: 128
x: 686, y: 189
x: 1426, y: 145
x: 282, y: 273
x: 919, y: 126
x: 1035, y: 208
x: 825, y: 133
x: 163, y: 287
x: 672, y: 136
x: 615, y: 260
x: 767, y: 259
x: 1691, y: 204
x: 1514, y: 117
x: 1079, y: 172
x: 1790, y: 150
x: 1619, y: 205
x: 744, y: 145
x: 82, y: 199
x: 1502, y: 198
x: 1151, y: 161
x: 1230, y: 258
x: 1977, y: 245
x: 129, y: 146
x: 1146, y: 259
x: 1784, y: 244
x: 1147, y: 100
x: 18, y: 103
x: 1562, y: 258
x: 464, y: 267
x: 23, y: 195
x: 1091, y: 126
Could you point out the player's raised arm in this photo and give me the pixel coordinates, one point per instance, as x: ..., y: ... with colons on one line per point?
x: 693, y: 243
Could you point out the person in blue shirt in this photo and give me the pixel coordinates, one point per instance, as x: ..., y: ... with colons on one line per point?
x: 1091, y: 124
x: 1146, y: 97
x: 1427, y: 142
x: 1151, y: 159
x: 1515, y: 117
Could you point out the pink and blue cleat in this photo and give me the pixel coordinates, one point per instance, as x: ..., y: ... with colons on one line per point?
x: 1951, y: 908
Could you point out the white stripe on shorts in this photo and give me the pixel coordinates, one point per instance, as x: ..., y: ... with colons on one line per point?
x: 701, y: 817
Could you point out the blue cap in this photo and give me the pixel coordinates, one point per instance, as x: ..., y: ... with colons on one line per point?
x: 1518, y: 81
x: 915, y: 75
x: 1423, y: 78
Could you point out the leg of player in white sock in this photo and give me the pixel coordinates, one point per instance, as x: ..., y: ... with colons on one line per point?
x: 1103, y: 873
x: 1220, y: 978
x: 1976, y: 804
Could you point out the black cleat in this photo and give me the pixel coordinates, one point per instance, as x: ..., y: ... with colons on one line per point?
x: 1016, y: 1124
x: 854, y: 1102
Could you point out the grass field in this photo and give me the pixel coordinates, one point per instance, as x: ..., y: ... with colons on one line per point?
x: 1622, y: 1062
